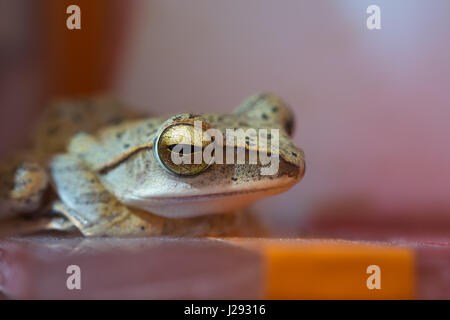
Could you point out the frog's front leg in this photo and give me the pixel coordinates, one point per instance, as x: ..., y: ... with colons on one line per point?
x: 22, y: 186
x: 87, y: 204
x: 96, y: 212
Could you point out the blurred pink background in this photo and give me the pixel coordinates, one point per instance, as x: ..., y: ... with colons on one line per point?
x: 372, y: 107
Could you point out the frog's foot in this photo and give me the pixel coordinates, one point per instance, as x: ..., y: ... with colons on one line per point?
x: 22, y: 188
x: 95, y: 212
x: 22, y: 225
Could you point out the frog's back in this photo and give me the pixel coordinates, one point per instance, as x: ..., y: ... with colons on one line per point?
x: 64, y: 118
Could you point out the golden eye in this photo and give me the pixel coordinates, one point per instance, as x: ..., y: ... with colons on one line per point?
x: 179, y: 149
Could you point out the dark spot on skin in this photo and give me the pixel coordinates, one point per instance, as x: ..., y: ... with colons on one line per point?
x: 86, y: 103
x: 274, y: 109
x: 115, y: 120
x: 53, y: 130
x: 289, y: 126
x: 77, y: 117
x: 294, y: 154
x: 91, y: 181
x: 126, y: 146
x: 234, y: 179
x: 119, y: 135
x: 142, y: 228
x: 264, y: 116
x: 56, y: 113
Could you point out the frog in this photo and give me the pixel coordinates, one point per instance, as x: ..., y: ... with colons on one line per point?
x: 98, y: 168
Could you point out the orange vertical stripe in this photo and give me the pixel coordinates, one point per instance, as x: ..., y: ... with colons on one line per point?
x: 81, y: 61
x: 330, y: 269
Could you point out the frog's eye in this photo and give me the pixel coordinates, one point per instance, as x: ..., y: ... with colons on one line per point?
x: 179, y: 149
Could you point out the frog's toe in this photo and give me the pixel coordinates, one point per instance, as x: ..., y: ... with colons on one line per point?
x: 22, y: 225
x: 22, y: 188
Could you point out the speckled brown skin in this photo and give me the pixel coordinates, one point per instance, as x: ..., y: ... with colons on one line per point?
x: 22, y: 186
x: 109, y: 183
x: 23, y: 177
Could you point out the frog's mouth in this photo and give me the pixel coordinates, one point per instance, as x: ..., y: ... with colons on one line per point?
x: 193, y: 205
x: 274, y: 190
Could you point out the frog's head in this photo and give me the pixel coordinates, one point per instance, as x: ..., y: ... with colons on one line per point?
x: 211, y: 163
